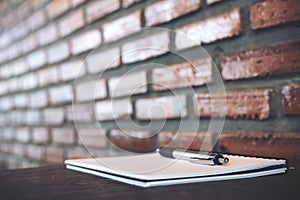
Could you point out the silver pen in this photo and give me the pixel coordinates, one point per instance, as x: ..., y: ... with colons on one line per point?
x: 199, y: 157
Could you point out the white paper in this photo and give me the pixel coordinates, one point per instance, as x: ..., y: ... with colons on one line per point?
x: 152, y: 169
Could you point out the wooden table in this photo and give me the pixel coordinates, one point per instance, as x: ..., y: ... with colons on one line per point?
x: 56, y: 182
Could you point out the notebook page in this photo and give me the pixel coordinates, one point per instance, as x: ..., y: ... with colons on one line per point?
x: 155, y: 167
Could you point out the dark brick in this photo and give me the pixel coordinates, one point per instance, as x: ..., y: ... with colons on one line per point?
x: 134, y: 141
x: 279, y: 145
x: 274, y: 12
x: 274, y: 59
x: 291, y: 100
x: 238, y: 103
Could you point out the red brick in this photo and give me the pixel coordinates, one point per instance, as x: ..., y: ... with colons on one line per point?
x: 85, y: 41
x: 280, y: 145
x: 38, y: 99
x: 63, y: 135
x: 48, y: 76
x: 37, y: 59
x: 4, y: 6
x: 134, y: 141
x: 23, y: 10
x: 21, y: 100
x: 147, y: 47
x: 122, y: 27
x: 209, y: 2
x: 100, y: 8
x: 37, y: 3
x: 81, y: 113
x: 76, y: 3
x: 57, y: 7
x: 72, y: 22
x: 103, y: 60
x: 167, y: 10
x: 127, y: 3
x: 92, y: 137
x: 291, y: 100
x: 47, y: 35
x: 238, y: 103
x: 55, y: 155
x: 8, y: 20
x: 166, y: 107
x: 185, y: 74
x: 128, y: 84
x: 185, y: 140
x: 37, y: 20
x: 33, y: 117
x: 36, y: 152
x: 54, y: 116
x: 262, y: 61
x: 272, y: 12
x: 75, y: 154
x: 61, y: 94
x: 30, y: 81
x: 112, y: 110
x: 29, y: 43
x: 206, y: 31
x: 40, y: 135
x: 91, y: 90
x: 71, y: 70
x: 23, y: 135
x: 58, y: 52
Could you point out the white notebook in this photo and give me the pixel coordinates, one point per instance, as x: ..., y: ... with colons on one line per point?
x: 148, y: 170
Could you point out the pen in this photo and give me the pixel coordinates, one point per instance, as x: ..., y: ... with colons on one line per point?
x: 199, y: 157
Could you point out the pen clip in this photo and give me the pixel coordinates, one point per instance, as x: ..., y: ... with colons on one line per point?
x: 202, y: 161
x: 217, y: 159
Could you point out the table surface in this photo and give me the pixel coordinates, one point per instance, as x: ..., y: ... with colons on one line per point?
x: 56, y: 182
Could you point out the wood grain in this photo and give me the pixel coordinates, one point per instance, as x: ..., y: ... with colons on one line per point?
x: 53, y: 182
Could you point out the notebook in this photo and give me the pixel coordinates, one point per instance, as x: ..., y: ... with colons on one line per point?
x: 148, y: 170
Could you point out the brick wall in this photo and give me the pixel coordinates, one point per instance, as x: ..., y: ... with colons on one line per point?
x: 56, y: 98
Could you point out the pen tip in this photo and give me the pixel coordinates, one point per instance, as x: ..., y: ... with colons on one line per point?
x: 226, y: 160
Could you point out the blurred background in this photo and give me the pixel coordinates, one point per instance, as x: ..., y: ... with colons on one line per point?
x: 45, y: 46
